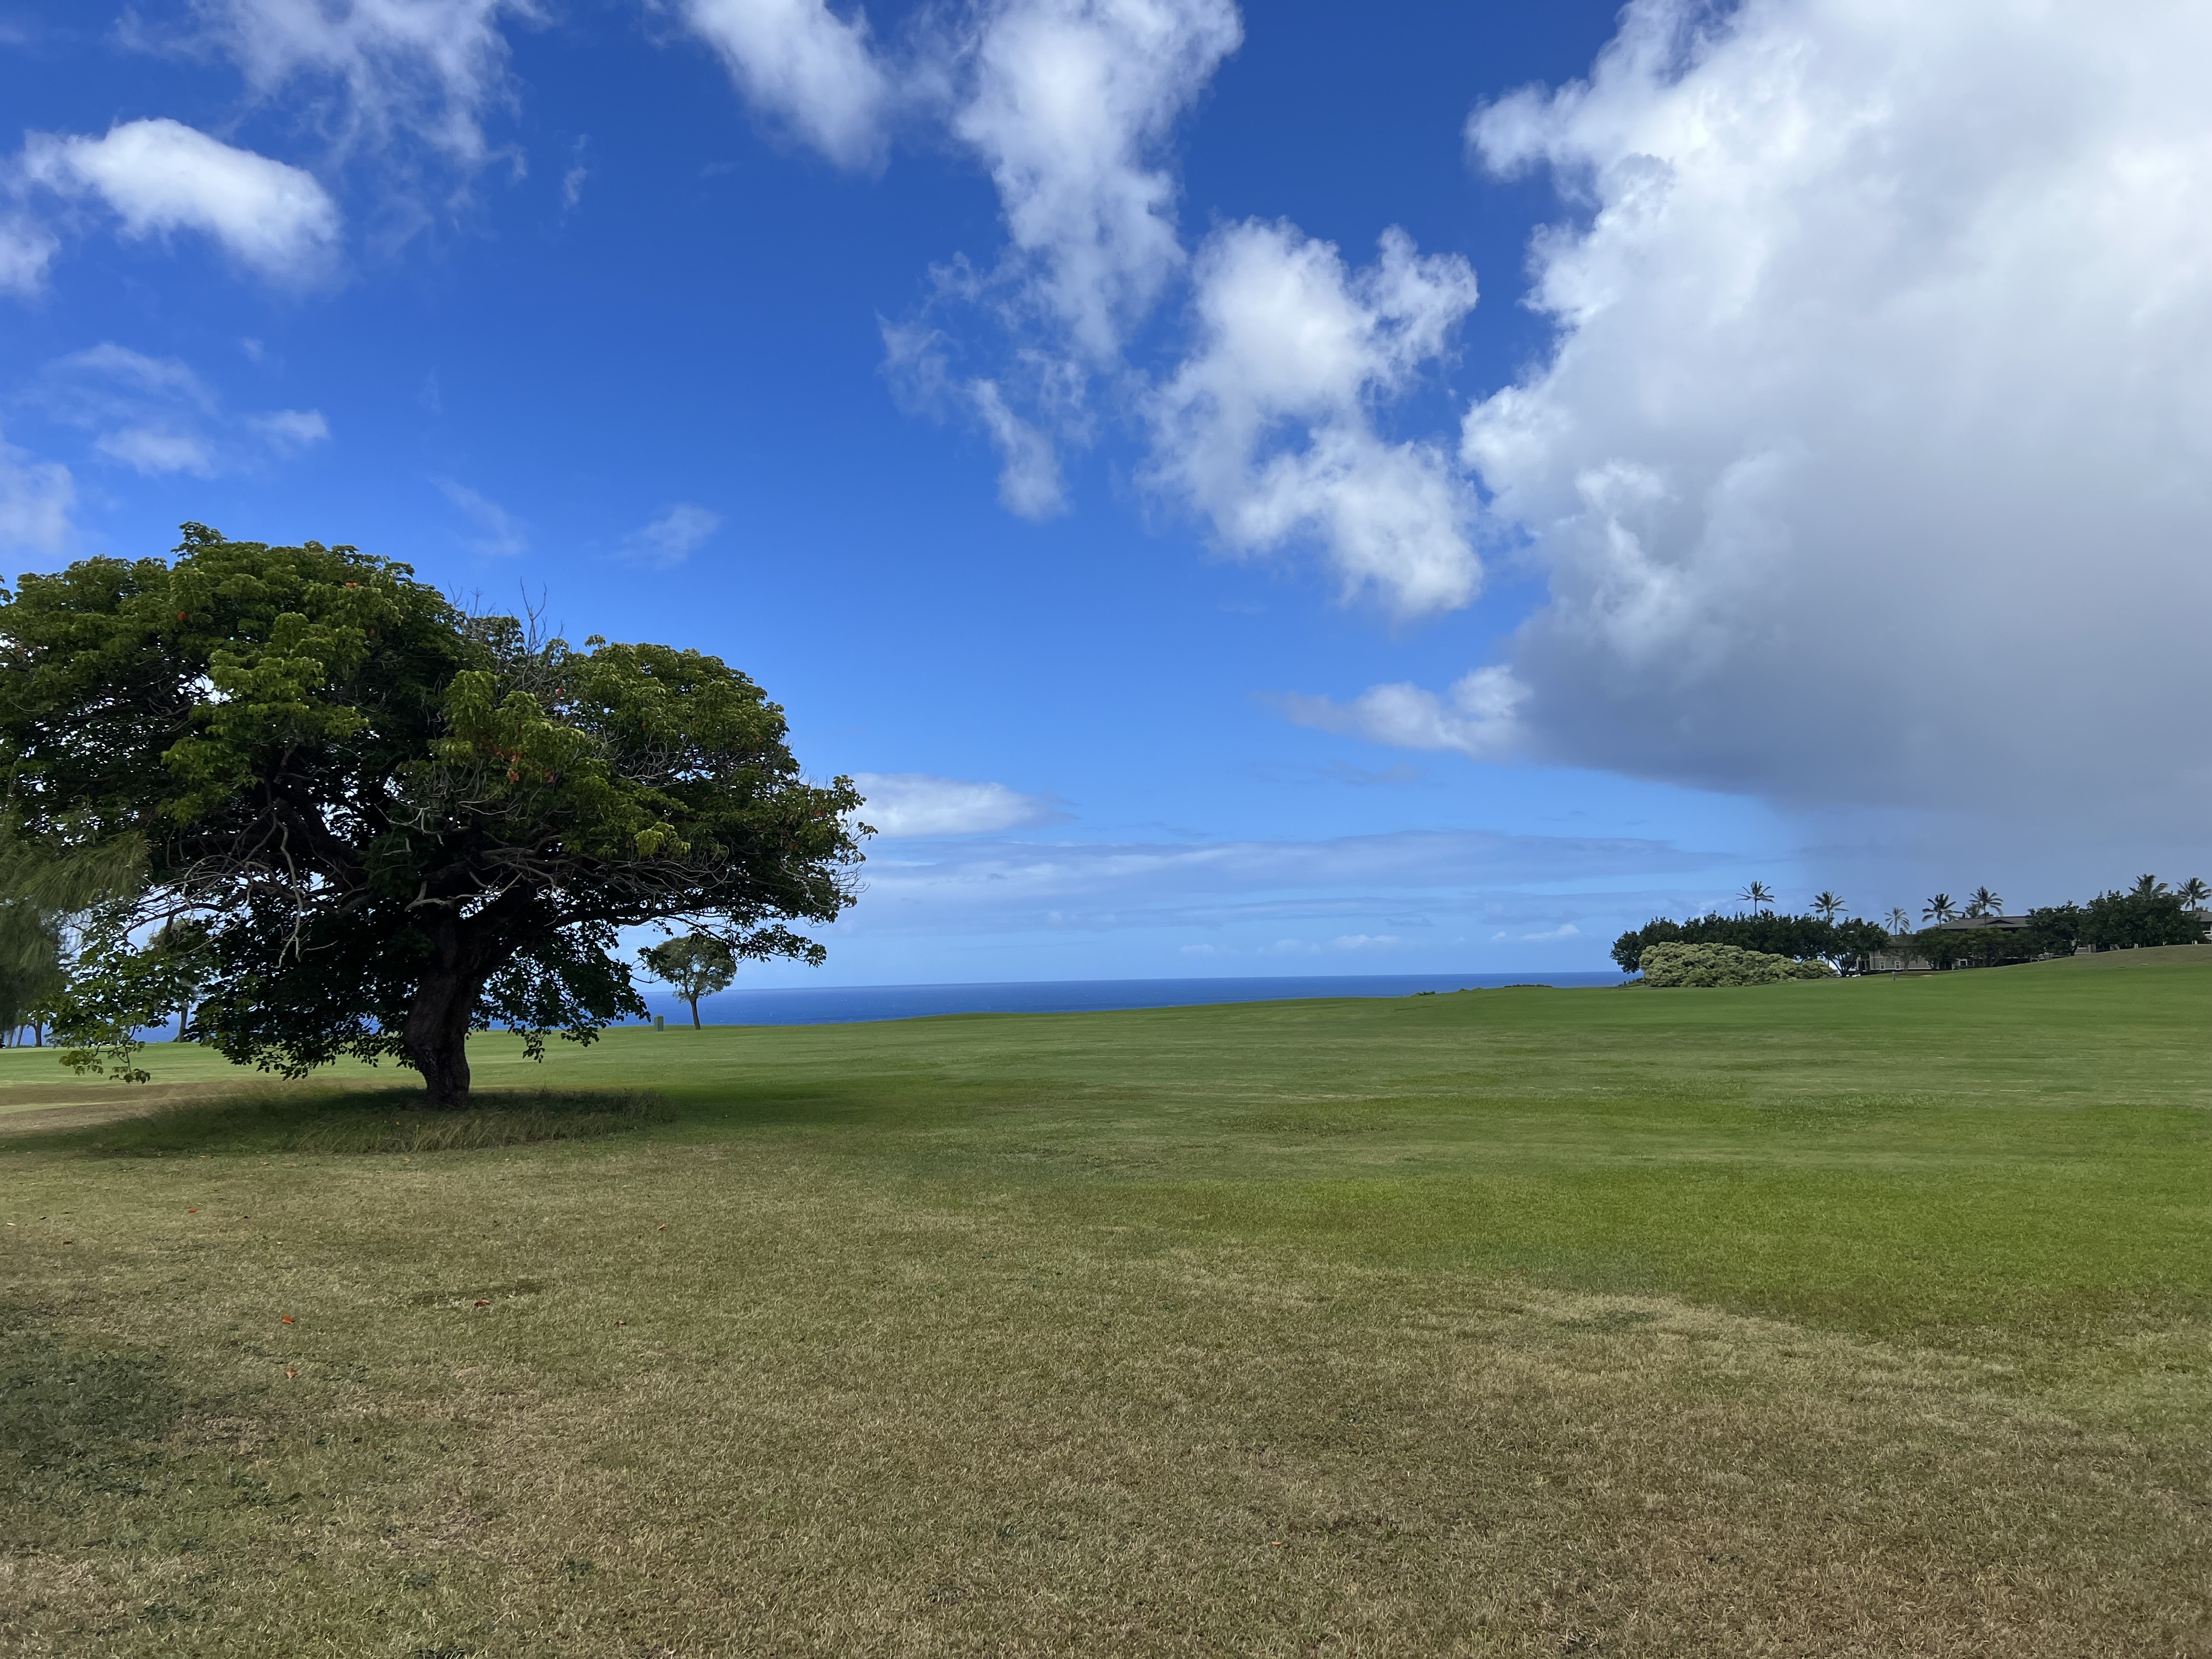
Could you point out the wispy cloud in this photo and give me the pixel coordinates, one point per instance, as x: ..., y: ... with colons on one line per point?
x: 803, y: 66
x: 901, y: 804
x: 27, y: 248
x: 36, y: 497
x: 673, y: 537
x: 500, y: 535
x: 376, y: 70
x: 157, y: 416
x: 998, y: 886
x: 289, y: 431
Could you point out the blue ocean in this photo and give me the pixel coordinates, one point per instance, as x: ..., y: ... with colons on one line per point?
x: 840, y: 1005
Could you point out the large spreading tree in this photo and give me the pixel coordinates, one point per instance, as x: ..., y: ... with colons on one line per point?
x: 391, y: 821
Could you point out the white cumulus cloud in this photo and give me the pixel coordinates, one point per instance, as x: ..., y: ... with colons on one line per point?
x: 159, y: 176
x: 1268, y: 429
x: 1481, y: 717
x: 801, y: 63
x: 917, y: 803
x: 1070, y: 103
x: 1874, y: 461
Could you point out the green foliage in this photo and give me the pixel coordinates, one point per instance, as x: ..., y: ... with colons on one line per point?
x: 395, y: 822
x: 54, y: 895
x: 2114, y: 921
x: 697, y: 965
x: 1672, y: 966
x: 2148, y: 915
x: 1802, y: 939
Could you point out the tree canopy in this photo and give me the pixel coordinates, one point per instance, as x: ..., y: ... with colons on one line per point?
x: 393, y: 820
x: 1800, y: 939
x: 697, y: 965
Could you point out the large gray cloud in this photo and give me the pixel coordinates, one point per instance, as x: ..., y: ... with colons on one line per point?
x: 1875, y: 461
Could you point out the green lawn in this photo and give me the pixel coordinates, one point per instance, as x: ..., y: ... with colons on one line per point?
x: 1871, y: 1317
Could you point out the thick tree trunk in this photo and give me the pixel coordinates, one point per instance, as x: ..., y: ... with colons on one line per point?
x: 436, y: 1035
x: 694, y: 1015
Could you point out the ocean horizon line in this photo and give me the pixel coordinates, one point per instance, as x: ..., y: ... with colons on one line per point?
x: 826, y: 1005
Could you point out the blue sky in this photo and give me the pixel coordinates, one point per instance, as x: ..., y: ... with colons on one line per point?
x: 1023, y: 391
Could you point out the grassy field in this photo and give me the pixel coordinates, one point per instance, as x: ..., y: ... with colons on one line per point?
x: 1870, y: 1317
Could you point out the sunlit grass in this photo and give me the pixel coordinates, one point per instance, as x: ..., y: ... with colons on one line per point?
x: 1866, y: 1318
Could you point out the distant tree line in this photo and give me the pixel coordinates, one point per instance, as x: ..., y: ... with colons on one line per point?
x: 2148, y: 913
x: 1802, y: 939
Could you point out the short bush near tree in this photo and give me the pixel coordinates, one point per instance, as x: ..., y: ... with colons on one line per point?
x: 1672, y: 966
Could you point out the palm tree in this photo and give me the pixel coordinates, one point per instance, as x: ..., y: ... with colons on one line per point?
x: 2193, y: 892
x: 1759, y: 896
x: 2147, y: 887
x: 1898, y: 920
x: 1940, y: 908
x: 1982, y: 902
x: 1826, y: 905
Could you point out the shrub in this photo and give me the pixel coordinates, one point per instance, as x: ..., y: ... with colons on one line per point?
x: 1670, y: 965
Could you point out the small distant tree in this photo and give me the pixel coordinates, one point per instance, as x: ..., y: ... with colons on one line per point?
x: 50, y: 896
x: 2193, y: 892
x: 1982, y: 902
x: 697, y: 965
x: 1940, y: 908
x: 2057, y: 928
x: 1759, y: 896
x: 2147, y: 887
x: 1898, y: 920
x: 1827, y: 906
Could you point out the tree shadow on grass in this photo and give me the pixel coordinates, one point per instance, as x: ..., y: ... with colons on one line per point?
x: 86, y: 1414
x: 277, y: 1120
